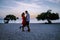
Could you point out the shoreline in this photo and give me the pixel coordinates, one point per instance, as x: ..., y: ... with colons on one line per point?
x: 30, y: 23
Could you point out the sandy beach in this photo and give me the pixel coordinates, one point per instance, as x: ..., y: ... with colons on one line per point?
x: 38, y: 31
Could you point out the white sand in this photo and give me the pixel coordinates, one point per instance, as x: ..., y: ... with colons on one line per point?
x: 38, y: 32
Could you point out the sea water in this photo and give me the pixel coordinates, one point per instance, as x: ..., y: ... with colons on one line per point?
x: 32, y: 20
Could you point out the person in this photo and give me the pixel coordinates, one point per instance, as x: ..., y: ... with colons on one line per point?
x: 23, y: 21
x: 27, y: 20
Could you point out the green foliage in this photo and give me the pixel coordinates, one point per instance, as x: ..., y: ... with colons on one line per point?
x: 10, y: 17
x: 47, y: 16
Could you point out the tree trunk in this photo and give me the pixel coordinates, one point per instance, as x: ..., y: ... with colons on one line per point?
x: 6, y: 21
x: 49, y: 22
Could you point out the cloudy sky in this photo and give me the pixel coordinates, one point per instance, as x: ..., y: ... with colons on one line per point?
x: 34, y: 7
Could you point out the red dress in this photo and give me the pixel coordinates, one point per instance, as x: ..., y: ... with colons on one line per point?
x: 23, y: 20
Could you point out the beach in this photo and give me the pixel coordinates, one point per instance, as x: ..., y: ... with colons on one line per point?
x: 38, y: 31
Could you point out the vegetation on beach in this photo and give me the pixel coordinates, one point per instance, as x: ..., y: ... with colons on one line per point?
x: 9, y: 17
x: 48, y: 16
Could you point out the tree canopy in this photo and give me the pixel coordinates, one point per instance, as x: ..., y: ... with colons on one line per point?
x: 48, y: 16
x: 10, y: 17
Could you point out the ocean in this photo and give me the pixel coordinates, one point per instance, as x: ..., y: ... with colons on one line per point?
x: 32, y: 20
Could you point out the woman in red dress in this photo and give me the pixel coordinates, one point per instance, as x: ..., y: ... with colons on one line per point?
x: 23, y: 21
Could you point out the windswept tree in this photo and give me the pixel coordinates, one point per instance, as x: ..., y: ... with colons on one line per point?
x: 48, y: 16
x: 9, y: 17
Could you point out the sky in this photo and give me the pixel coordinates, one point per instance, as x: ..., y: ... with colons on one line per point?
x: 34, y: 7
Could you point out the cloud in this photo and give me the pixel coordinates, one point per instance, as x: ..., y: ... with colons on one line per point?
x: 54, y: 1
x: 8, y: 3
x: 34, y: 5
x: 30, y: 1
x: 18, y: 6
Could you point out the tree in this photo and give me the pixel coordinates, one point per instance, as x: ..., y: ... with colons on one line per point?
x: 9, y: 17
x: 48, y: 16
